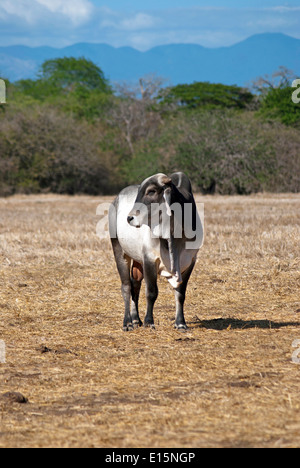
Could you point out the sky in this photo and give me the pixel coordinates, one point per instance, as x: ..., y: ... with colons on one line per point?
x: 143, y: 24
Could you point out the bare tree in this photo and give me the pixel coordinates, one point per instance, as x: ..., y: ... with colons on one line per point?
x: 281, y: 78
x: 135, y: 112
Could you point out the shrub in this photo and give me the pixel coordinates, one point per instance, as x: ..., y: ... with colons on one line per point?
x: 229, y: 152
x: 226, y: 152
x: 45, y: 150
x: 278, y: 105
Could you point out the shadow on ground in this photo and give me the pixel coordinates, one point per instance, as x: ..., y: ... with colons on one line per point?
x: 231, y: 323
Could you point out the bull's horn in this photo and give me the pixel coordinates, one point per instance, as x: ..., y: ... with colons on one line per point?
x: 164, y: 180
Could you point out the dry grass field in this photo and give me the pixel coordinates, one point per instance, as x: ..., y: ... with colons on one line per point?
x: 228, y: 382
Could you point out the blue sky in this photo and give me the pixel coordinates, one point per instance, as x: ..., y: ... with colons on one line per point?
x: 144, y: 24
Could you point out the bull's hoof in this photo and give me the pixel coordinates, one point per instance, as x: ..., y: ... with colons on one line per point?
x: 137, y: 324
x: 181, y: 327
x: 149, y: 325
x: 128, y: 327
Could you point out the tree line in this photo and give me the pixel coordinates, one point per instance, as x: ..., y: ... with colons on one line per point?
x: 72, y: 131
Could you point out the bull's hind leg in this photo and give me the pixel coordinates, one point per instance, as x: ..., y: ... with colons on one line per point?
x: 137, y: 276
x: 123, y: 264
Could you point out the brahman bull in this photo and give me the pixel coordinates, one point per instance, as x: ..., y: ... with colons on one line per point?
x: 155, y: 229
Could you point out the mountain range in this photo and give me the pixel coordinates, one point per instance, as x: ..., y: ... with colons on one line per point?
x: 179, y: 63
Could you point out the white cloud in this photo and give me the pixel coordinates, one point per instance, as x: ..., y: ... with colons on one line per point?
x: 17, y: 9
x: 34, y: 11
x: 139, y: 21
x: 283, y: 9
x: 122, y: 22
x: 77, y: 11
x: 273, y: 24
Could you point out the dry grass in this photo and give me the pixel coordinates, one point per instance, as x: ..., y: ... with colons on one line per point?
x: 229, y: 381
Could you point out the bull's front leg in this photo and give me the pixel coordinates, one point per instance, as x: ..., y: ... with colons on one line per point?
x: 150, y: 274
x: 180, y: 294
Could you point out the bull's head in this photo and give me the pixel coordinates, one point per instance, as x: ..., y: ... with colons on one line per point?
x: 154, y: 198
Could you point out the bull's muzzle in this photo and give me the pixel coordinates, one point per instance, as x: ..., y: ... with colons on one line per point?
x: 133, y: 221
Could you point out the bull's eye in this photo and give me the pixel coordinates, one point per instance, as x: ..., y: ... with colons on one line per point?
x: 151, y: 193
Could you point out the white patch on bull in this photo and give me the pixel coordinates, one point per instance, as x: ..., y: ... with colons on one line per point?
x: 156, y: 231
x: 175, y: 282
x: 132, y: 239
x: 186, y: 258
x: 135, y: 222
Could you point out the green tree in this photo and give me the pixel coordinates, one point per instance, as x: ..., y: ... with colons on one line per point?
x: 76, y: 86
x: 37, y: 89
x: 277, y: 104
x: 208, y: 95
x: 275, y: 95
x: 68, y: 73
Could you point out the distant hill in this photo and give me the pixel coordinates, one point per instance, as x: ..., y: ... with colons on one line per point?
x: 179, y: 63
